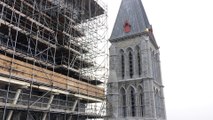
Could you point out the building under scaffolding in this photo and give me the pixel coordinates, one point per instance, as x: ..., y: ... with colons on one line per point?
x: 48, y: 59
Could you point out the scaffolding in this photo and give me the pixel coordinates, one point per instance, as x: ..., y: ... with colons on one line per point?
x: 53, y: 59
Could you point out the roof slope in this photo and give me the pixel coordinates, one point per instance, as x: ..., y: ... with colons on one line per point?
x: 133, y: 13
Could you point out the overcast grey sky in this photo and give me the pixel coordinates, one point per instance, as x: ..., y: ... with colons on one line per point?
x: 184, y: 32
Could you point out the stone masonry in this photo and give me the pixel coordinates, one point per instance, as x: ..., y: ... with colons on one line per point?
x: 134, y: 89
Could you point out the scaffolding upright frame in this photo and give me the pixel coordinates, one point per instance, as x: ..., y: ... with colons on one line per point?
x: 53, y: 59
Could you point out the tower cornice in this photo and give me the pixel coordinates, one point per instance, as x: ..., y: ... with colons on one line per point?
x: 146, y: 33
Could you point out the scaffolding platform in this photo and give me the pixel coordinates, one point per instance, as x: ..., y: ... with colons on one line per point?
x: 53, y: 59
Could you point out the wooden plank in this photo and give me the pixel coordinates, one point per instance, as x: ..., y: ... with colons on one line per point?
x: 28, y: 71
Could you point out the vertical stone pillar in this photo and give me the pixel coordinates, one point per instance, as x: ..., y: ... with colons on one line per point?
x: 149, y: 98
x: 48, y: 106
x: 112, y: 101
x: 112, y: 96
x: 159, y: 68
x: 18, y: 92
x: 163, y: 104
x: 146, y: 58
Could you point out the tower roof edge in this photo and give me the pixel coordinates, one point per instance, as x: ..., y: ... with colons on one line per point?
x: 131, y: 19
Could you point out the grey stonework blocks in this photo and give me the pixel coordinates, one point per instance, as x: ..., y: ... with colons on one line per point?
x: 134, y: 89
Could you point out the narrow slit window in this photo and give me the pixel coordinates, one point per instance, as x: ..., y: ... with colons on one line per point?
x: 131, y: 72
x: 139, y: 62
x: 122, y: 66
x: 133, y: 107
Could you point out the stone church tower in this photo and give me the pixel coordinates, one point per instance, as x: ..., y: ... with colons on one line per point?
x: 134, y: 89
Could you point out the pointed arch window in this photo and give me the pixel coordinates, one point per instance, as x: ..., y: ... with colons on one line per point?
x: 141, y: 101
x: 131, y: 69
x: 138, y: 55
x: 122, y: 64
x: 132, y: 102
x: 123, y: 102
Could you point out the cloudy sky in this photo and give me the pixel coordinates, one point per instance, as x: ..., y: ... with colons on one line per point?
x: 184, y: 32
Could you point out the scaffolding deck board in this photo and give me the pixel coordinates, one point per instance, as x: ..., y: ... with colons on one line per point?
x: 16, y: 68
x: 39, y: 109
x: 50, y: 63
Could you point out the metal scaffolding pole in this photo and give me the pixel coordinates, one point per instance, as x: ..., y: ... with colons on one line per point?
x: 54, y: 46
x: 18, y: 92
x: 48, y: 107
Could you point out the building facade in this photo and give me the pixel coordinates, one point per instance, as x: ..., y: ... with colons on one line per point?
x: 134, y: 89
x: 48, y: 52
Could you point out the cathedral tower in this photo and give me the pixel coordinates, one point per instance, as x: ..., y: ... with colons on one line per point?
x: 134, y: 89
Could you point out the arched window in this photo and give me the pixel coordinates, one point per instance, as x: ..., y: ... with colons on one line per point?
x: 141, y: 101
x: 131, y: 69
x: 132, y: 102
x: 122, y: 64
x: 123, y: 102
x: 138, y: 57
